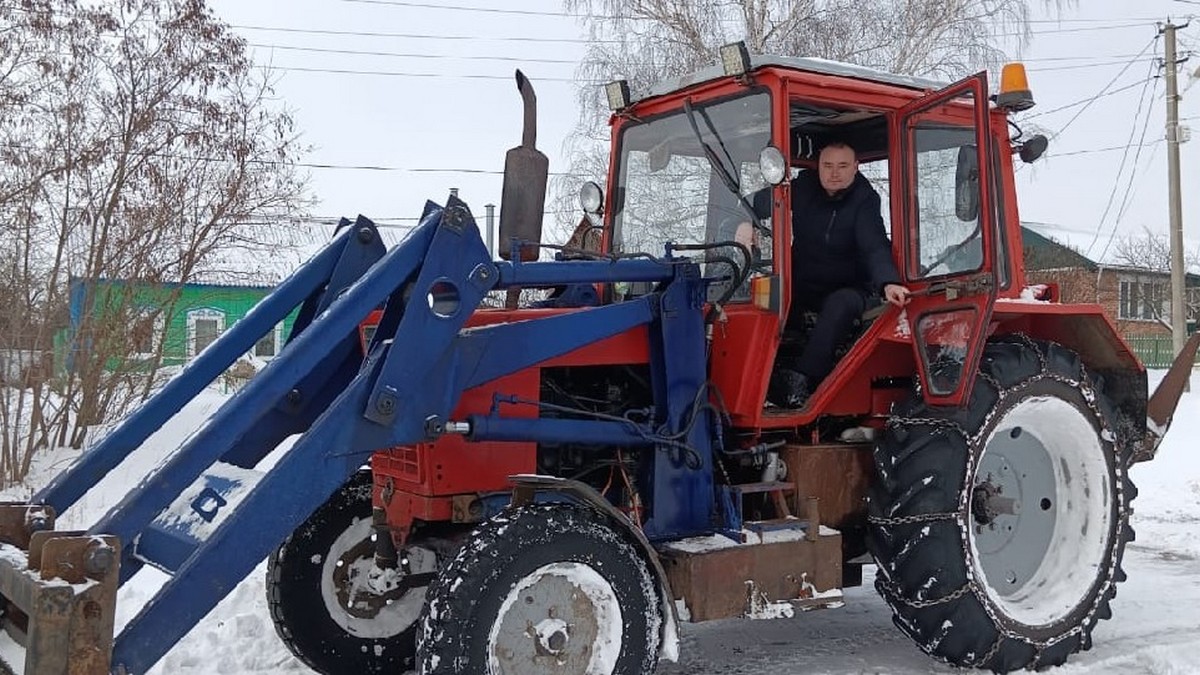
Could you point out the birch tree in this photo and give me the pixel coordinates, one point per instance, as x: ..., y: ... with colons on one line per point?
x: 646, y: 41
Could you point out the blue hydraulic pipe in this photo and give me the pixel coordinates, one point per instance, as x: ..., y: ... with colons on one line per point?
x: 601, y: 432
x: 582, y: 272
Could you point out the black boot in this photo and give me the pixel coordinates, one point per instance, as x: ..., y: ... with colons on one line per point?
x: 788, y: 389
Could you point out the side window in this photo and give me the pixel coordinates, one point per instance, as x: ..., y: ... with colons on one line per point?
x: 877, y: 174
x: 946, y: 179
x: 733, y: 224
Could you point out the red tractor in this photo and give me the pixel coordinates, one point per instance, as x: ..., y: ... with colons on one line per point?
x: 566, y: 477
x: 973, y: 445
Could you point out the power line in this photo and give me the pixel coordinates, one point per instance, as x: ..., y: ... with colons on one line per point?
x: 1104, y: 89
x: 519, y: 59
x: 392, y: 73
x: 1085, y: 65
x: 415, y: 36
x: 489, y: 10
x: 1087, y: 100
x: 1121, y: 169
x: 1096, y: 150
x: 411, y: 55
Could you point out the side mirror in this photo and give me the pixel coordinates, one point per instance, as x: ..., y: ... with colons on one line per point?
x: 523, y: 195
x: 1033, y: 148
x: 966, y: 184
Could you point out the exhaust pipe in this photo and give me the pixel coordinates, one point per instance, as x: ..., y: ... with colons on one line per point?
x: 1161, y: 407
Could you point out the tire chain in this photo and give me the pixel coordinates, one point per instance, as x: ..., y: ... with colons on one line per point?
x: 972, y: 585
x: 910, y: 520
x: 894, y: 592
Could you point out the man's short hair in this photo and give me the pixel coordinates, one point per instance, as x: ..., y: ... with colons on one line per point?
x: 839, y: 143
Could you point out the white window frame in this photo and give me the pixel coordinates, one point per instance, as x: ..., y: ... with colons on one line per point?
x: 199, y: 313
x: 1136, y: 309
x: 156, y: 337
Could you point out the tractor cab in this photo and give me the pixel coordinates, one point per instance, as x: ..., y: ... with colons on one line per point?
x: 707, y: 164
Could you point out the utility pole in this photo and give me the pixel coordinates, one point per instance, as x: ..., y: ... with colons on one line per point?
x: 1178, y: 309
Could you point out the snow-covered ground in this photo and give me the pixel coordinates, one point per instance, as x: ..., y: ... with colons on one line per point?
x: 1156, y: 622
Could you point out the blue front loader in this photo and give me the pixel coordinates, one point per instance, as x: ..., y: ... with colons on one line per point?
x: 207, y: 516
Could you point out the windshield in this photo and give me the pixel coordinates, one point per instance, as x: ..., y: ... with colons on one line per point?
x: 668, y: 190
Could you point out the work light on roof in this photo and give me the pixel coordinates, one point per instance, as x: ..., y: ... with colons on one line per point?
x: 1014, y: 89
x: 618, y: 94
x: 735, y: 59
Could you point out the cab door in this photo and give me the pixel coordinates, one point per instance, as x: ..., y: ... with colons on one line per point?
x: 948, y: 233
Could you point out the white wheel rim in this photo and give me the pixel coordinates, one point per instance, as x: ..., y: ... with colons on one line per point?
x: 563, y: 618
x: 365, y: 579
x: 1066, y: 519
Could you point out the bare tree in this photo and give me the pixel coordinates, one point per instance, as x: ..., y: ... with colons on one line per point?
x: 137, y: 144
x: 646, y: 41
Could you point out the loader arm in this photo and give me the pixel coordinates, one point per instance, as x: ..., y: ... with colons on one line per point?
x: 206, y: 517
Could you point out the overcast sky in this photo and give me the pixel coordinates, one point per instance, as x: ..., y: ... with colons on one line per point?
x: 401, y: 101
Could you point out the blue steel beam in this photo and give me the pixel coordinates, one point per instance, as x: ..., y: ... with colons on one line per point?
x: 680, y: 482
x: 296, y: 411
x: 305, y: 476
x: 244, y: 410
x: 66, y: 488
x: 343, y: 437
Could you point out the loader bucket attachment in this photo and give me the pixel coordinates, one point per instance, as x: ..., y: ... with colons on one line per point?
x: 1162, y: 404
x: 523, y: 195
x: 62, y: 602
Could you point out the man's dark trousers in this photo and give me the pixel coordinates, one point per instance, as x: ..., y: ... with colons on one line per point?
x: 837, y: 310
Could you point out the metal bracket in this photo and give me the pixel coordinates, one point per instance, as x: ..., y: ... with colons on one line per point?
x: 63, y: 602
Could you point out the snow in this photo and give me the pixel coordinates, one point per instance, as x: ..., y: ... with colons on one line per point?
x: 1155, y: 625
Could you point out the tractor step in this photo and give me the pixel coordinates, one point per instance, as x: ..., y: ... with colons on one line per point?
x: 783, y: 564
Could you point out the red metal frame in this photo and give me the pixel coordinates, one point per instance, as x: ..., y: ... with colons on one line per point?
x: 421, y: 481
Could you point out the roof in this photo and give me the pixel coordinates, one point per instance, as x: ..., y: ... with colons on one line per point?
x: 1043, y: 253
x: 807, y: 64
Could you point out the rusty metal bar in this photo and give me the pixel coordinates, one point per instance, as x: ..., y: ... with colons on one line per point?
x: 1161, y: 407
x: 65, y: 588
x: 19, y: 520
x: 812, y: 512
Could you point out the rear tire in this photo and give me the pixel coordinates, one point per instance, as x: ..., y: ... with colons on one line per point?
x: 562, y: 571
x: 330, y: 605
x: 999, y: 528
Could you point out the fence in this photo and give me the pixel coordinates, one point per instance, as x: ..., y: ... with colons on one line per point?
x: 1155, y: 351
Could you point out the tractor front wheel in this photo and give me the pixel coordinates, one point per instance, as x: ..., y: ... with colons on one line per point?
x: 552, y: 589
x: 336, y: 610
x: 999, y: 528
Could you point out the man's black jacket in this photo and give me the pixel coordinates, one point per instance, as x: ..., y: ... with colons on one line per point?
x: 838, y: 241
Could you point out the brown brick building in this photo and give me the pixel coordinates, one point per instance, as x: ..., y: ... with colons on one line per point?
x: 1138, y: 300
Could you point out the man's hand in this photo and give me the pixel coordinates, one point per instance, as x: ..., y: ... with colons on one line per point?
x: 896, y: 294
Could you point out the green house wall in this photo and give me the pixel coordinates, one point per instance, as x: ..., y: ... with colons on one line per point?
x: 201, y: 301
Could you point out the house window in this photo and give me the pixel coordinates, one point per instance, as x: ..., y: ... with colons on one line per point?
x: 268, y: 345
x: 1142, y: 300
x: 146, y: 332
x: 204, y: 327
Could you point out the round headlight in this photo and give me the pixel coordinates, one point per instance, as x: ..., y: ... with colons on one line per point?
x: 591, y: 197
x: 772, y: 165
